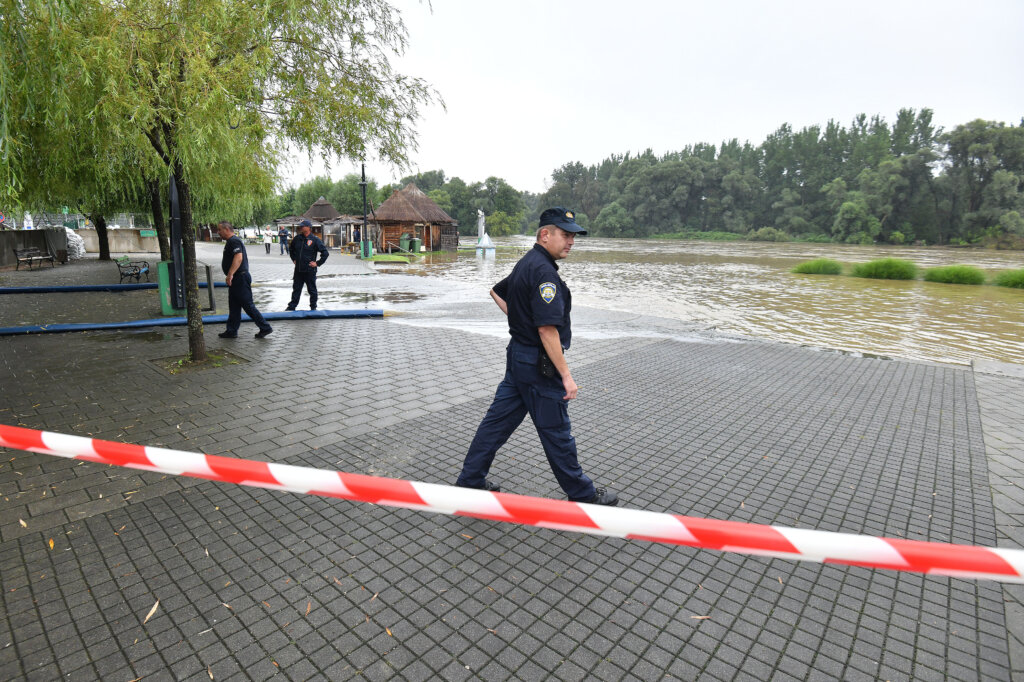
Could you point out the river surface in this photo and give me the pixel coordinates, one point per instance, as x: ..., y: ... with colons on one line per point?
x: 741, y: 288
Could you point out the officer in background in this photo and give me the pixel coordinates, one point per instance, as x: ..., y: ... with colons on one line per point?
x: 304, y: 249
x: 537, y: 378
x: 235, y: 264
x: 282, y: 236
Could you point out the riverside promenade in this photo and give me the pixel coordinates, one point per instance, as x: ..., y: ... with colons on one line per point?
x: 256, y: 584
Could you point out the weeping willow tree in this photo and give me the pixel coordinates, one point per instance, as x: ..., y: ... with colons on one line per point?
x: 100, y: 99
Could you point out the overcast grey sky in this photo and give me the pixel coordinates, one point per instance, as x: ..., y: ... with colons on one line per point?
x: 531, y: 85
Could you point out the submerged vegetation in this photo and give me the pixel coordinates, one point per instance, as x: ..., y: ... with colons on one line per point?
x: 1010, y: 278
x: 819, y: 266
x: 955, y: 274
x: 885, y: 268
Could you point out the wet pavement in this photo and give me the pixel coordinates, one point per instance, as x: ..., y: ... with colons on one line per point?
x: 258, y: 584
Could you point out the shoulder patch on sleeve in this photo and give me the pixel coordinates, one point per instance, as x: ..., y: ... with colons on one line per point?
x: 548, y: 291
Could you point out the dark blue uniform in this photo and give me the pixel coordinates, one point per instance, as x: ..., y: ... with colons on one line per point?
x: 240, y: 289
x: 303, y: 250
x: 536, y: 296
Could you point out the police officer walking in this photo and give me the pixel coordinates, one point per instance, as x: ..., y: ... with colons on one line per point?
x: 537, y: 378
x: 235, y: 264
x: 304, y: 249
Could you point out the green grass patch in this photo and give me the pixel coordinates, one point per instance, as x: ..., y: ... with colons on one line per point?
x: 389, y: 258
x: 886, y: 268
x: 955, y: 274
x: 818, y: 266
x: 1010, y: 278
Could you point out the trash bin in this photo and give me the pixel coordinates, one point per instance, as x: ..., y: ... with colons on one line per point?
x: 414, y: 244
x: 403, y: 242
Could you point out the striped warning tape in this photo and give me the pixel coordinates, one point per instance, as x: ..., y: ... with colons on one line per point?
x: 961, y: 561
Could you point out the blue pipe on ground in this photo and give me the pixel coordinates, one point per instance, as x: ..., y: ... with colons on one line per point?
x: 178, y: 321
x: 91, y: 287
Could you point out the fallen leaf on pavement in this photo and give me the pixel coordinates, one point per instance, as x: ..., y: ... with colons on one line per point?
x: 151, y: 612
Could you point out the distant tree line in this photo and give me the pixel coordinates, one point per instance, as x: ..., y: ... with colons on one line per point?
x: 506, y: 208
x: 869, y: 182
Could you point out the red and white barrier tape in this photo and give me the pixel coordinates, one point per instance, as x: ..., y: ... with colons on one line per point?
x: 961, y: 561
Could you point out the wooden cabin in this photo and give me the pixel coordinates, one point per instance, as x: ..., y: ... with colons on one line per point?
x: 409, y: 211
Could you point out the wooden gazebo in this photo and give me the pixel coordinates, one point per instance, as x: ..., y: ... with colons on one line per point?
x: 410, y: 211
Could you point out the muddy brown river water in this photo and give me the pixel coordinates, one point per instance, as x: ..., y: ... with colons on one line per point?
x: 747, y: 288
x: 741, y: 288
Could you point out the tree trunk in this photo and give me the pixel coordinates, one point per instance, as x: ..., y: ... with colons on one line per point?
x: 196, y: 342
x: 162, y: 231
x: 101, y: 234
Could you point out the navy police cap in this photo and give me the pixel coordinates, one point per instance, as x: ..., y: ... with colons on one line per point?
x: 560, y: 217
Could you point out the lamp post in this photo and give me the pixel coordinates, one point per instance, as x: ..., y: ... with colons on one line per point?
x: 364, y: 243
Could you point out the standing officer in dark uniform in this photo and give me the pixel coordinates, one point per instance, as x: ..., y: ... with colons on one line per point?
x: 537, y: 378
x: 304, y: 250
x: 235, y: 264
x: 282, y: 236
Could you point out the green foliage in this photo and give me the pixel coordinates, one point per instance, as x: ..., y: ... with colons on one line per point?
x: 713, y: 236
x: 955, y: 274
x: 818, y: 266
x: 814, y: 238
x: 767, y: 234
x: 1010, y: 278
x: 886, y: 268
x: 500, y: 224
x: 108, y: 95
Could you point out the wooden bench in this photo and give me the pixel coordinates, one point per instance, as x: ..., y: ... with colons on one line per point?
x: 31, y: 256
x: 129, y: 268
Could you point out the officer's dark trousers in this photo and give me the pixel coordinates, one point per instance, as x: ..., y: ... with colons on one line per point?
x: 522, y: 391
x: 239, y: 299
x: 305, y: 278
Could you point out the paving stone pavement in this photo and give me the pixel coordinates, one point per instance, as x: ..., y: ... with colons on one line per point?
x: 255, y: 584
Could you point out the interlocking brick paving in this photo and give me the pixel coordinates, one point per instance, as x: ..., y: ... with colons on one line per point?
x: 314, y: 587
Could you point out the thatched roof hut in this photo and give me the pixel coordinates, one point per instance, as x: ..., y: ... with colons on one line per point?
x: 321, y: 211
x: 410, y: 211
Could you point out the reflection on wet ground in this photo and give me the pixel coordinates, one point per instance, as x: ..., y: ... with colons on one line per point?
x: 736, y: 287
x: 122, y: 334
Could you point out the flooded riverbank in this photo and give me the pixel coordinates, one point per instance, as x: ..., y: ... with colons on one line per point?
x: 739, y: 288
x: 746, y: 288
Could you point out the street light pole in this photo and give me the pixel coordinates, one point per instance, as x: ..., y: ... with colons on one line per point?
x: 364, y: 243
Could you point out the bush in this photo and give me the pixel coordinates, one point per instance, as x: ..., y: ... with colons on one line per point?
x: 711, y: 236
x: 1010, y: 278
x: 955, y: 274
x: 814, y: 238
x: 818, y: 266
x: 886, y: 268
x: 767, y: 234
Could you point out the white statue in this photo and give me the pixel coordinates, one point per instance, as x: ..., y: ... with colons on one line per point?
x: 484, y: 245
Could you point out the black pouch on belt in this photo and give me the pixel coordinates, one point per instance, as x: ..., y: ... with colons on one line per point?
x: 544, y: 364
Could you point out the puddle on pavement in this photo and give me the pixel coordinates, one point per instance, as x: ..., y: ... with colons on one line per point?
x: 149, y: 337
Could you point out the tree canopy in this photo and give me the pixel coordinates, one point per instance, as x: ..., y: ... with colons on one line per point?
x: 102, y: 98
